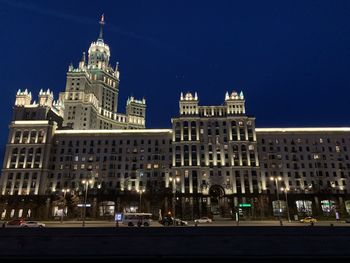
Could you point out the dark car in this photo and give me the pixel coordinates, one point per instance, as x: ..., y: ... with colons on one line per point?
x: 15, y: 222
x: 168, y: 221
x: 347, y: 220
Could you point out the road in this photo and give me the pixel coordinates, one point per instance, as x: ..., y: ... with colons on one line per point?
x: 269, y: 242
x: 218, y: 223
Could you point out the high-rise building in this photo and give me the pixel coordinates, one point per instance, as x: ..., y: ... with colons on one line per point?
x: 212, y: 162
x: 91, y: 95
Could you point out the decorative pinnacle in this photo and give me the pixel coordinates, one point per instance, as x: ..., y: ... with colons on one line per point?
x: 102, y: 23
x: 83, y: 57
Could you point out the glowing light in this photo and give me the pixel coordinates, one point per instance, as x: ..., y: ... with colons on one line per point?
x: 310, y: 129
x: 143, y: 131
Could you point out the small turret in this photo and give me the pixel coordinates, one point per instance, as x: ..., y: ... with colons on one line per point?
x: 189, y: 104
x: 23, y: 98
x: 70, y: 67
x: 82, y: 62
x: 235, y: 103
x: 59, y: 107
x: 45, y: 98
x: 136, y: 111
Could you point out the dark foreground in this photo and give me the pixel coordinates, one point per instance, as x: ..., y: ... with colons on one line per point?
x: 259, y: 244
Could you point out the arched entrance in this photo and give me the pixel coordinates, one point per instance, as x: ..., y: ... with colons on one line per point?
x: 216, y: 193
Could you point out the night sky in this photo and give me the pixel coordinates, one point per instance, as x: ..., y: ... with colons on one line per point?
x: 290, y: 58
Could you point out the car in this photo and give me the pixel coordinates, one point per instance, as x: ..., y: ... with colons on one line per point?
x: 180, y: 222
x: 347, y: 220
x: 15, y: 222
x: 168, y: 221
x: 308, y: 219
x: 203, y: 220
x: 32, y: 224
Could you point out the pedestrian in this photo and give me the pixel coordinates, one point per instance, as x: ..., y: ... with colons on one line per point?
x: 337, y: 216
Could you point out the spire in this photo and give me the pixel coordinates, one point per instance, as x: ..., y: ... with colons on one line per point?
x: 83, y: 58
x: 102, y: 22
x: 117, y: 66
x: 241, y: 95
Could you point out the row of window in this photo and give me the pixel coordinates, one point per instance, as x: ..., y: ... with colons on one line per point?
x: 300, y: 140
x: 26, y: 136
x: 336, y: 148
x: 213, y: 123
x: 112, y: 142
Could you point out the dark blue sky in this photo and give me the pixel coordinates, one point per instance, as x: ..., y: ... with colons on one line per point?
x: 291, y: 58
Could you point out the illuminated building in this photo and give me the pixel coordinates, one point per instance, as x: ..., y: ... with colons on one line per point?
x: 223, y: 161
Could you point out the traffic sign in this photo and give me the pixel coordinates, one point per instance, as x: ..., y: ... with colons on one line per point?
x: 245, y: 205
x: 118, y: 217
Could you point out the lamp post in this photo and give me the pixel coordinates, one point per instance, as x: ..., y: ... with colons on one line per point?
x: 86, y: 183
x: 285, y: 190
x: 276, y: 179
x: 174, y: 179
x: 140, y: 191
x: 64, y: 191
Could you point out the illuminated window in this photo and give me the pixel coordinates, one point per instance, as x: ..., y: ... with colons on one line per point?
x: 337, y: 148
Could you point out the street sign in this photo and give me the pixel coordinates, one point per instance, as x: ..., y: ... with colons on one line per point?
x: 118, y: 217
x: 245, y: 205
x: 82, y: 205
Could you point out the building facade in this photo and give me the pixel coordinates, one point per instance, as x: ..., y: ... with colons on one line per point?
x: 212, y: 161
x: 215, y: 153
x: 313, y: 164
x: 91, y: 95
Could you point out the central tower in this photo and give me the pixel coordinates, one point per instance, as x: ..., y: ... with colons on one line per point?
x: 104, y: 77
x: 92, y: 90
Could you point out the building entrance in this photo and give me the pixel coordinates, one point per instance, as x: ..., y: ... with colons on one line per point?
x: 216, y: 193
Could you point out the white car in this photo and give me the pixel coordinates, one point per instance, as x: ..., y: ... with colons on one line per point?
x: 203, y: 220
x: 32, y: 224
x: 180, y: 222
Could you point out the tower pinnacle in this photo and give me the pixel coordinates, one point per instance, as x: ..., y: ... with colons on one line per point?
x: 102, y: 22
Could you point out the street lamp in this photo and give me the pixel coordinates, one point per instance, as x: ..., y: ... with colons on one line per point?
x: 64, y: 191
x: 276, y: 179
x: 86, y: 183
x: 174, y: 179
x: 140, y: 191
x: 285, y: 190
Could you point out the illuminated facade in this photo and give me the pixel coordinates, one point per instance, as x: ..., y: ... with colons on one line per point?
x: 223, y: 163
x: 214, y: 153
x: 91, y: 95
x: 221, y: 160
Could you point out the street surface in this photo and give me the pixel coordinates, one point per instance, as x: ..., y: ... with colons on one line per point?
x: 217, y: 223
x: 254, y: 242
